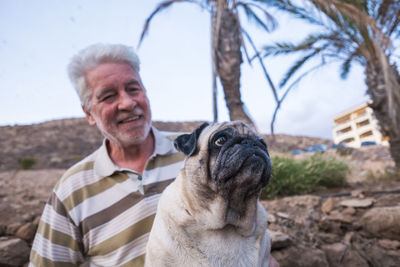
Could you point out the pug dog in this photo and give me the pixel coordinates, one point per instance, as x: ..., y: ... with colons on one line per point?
x: 210, y: 215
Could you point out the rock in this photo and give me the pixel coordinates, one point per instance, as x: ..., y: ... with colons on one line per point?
x: 283, y: 215
x: 3, y: 229
x: 339, y: 254
x: 27, y: 231
x: 315, y: 215
x: 382, y: 257
x: 329, y: 238
x: 389, y: 244
x: 300, y: 221
x: 337, y: 216
x: 305, y: 201
x: 348, y: 237
x: 382, y: 222
x: 334, y: 253
x: 349, y: 211
x: 357, y: 193
x: 357, y: 203
x: 300, y: 256
x: 13, y: 228
x: 328, y: 205
x: 271, y: 218
x: 13, y: 251
x: 27, y: 217
x: 330, y: 226
x: 36, y: 220
x: 353, y: 259
x: 279, y: 240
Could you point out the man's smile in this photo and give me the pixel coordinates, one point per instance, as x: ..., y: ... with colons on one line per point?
x: 129, y: 119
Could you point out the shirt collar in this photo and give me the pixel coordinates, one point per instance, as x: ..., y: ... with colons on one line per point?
x: 104, y: 166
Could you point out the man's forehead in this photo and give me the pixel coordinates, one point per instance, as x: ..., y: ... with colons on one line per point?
x: 109, y: 74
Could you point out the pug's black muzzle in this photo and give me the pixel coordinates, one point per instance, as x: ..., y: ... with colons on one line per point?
x: 245, y: 159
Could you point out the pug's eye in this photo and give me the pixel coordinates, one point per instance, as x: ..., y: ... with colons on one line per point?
x: 220, y: 141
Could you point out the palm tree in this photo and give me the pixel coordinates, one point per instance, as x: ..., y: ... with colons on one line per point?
x: 227, y: 45
x: 351, y: 31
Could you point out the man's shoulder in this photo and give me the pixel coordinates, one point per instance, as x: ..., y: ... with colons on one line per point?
x: 84, y: 167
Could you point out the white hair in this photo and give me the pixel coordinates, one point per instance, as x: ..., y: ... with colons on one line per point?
x: 94, y: 55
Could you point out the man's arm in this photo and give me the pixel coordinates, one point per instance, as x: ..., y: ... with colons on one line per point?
x: 57, y: 239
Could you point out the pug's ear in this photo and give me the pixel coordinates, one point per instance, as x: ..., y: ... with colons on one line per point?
x: 187, y: 143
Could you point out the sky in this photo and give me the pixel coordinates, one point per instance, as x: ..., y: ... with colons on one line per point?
x: 38, y: 38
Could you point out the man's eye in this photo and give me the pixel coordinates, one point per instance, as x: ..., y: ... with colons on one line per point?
x: 220, y: 141
x: 107, y: 97
x: 133, y: 89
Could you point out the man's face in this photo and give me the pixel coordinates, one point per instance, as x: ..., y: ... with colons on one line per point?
x: 119, y: 105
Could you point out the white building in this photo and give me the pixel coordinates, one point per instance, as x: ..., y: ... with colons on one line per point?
x: 357, y: 125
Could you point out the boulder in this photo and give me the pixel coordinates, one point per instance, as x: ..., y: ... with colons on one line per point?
x: 328, y: 205
x: 389, y: 244
x: 349, y: 211
x: 300, y: 256
x: 283, y: 215
x: 27, y: 231
x: 340, y: 254
x: 13, y: 251
x: 329, y: 237
x: 340, y: 217
x: 357, y: 203
x: 13, y: 228
x: 279, y: 240
x: 382, y: 222
x: 378, y: 256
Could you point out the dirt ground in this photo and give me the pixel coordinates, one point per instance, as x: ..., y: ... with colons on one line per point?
x: 310, y: 235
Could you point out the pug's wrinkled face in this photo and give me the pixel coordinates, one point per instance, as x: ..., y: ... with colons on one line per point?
x: 229, y: 160
x: 238, y: 161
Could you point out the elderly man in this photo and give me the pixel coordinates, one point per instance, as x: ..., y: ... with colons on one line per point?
x: 102, y: 209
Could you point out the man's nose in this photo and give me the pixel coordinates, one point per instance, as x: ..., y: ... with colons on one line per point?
x: 126, y: 102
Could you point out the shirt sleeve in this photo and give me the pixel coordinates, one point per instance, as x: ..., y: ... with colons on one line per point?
x: 58, y: 241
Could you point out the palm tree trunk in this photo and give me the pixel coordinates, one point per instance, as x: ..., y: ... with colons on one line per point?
x: 228, y: 58
x: 388, y: 115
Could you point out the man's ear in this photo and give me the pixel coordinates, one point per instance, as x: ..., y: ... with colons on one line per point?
x: 187, y: 143
x: 89, y: 116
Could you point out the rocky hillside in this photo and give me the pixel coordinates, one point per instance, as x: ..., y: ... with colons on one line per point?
x: 358, y: 225
x: 60, y: 143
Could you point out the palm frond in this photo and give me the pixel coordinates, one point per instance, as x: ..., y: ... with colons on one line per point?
x: 395, y: 25
x: 309, y: 43
x: 296, y: 66
x: 349, y: 12
x: 384, y: 8
x: 289, y: 88
x: 268, y: 24
x: 295, y: 10
x: 346, y: 66
x: 160, y: 7
x: 266, y: 74
x: 283, y: 48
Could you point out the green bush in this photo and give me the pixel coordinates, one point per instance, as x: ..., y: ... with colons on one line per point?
x: 294, y: 177
x: 26, y: 163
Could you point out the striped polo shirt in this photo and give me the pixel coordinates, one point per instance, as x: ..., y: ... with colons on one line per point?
x: 102, y: 214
